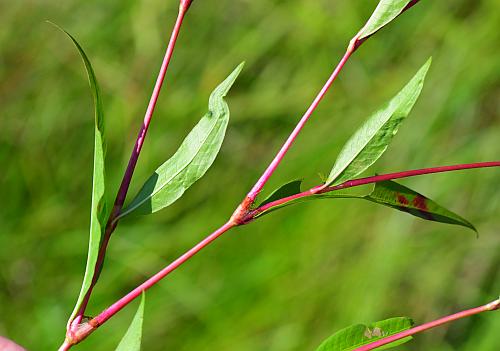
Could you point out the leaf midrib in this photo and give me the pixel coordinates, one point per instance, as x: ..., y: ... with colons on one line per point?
x: 373, y: 136
x: 180, y: 170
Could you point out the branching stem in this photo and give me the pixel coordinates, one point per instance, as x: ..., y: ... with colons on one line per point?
x: 124, y: 186
x: 87, y: 328
x: 321, y: 189
x: 78, y: 331
x: 492, y: 306
x: 252, y: 195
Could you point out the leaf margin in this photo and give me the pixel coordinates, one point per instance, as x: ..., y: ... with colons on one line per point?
x: 216, y: 102
x: 99, y: 208
x: 375, y: 129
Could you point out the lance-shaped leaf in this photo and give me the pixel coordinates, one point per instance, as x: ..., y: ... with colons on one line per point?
x: 392, y: 194
x: 193, y: 158
x: 386, y: 11
x: 131, y: 341
x: 286, y: 190
x: 387, y: 193
x: 98, y: 214
x: 371, y: 140
x: 358, y: 335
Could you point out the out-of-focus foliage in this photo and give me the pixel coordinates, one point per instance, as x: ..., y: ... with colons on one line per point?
x: 290, y: 279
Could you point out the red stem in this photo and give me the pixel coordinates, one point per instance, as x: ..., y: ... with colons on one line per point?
x: 65, y: 346
x: 122, y: 193
x: 93, y: 324
x: 320, y: 189
x: 257, y: 188
x: 492, y: 306
x: 124, y: 186
x: 250, y: 198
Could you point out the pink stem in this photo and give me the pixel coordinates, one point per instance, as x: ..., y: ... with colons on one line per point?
x: 122, y: 192
x: 320, y: 189
x: 257, y: 188
x: 250, y: 198
x: 65, y: 346
x: 124, y: 301
x: 485, y: 308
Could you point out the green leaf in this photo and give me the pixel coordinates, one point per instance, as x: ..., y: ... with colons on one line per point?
x: 131, y: 341
x: 99, y: 215
x: 371, y: 140
x: 288, y: 189
x: 386, y: 11
x: 193, y: 158
x: 358, y: 335
x: 392, y: 194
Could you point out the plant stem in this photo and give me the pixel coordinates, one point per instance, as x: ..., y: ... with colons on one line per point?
x: 94, y: 323
x: 321, y: 189
x: 65, y: 346
x: 257, y: 188
x: 124, y: 186
x: 250, y: 198
x: 492, y: 306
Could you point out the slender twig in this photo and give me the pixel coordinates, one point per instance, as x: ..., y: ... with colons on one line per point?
x: 122, y: 192
x: 240, y: 216
x: 492, y: 306
x: 65, y: 346
x: 87, y: 328
x: 288, y: 143
x: 354, y: 44
x: 320, y: 189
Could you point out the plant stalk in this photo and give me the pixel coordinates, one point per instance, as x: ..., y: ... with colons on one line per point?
x: 87, y: 328
x: 321, y: 189
x: 250, y: 198
x: 124, y: 186
x: 354, y: 44
x: 492, y: 306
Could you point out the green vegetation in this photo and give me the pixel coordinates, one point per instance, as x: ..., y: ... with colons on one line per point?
x: 289, y: 280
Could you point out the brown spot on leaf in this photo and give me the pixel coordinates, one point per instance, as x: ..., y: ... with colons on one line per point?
x: 420, y: 202
x: 368, y: 333
x: 373, y: 333
x: 377, y: 332
x: 402, y: 199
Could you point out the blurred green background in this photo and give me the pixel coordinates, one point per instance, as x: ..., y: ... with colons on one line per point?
x: 289, y: 280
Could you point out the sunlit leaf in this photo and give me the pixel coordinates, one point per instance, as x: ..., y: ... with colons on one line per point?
x: 397, y: 196
x: 391, y: 194
x: 372, y: 139
x: 288, y: 189
x: 386, y: 11
x: 131, y: 341
x: 358, y: 335
x: 98, y: 216
x: 193, y: 158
